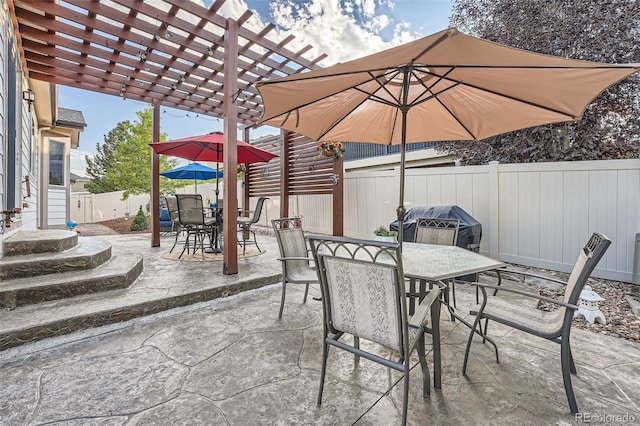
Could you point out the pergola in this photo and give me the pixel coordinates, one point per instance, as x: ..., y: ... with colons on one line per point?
x: 173, y: 53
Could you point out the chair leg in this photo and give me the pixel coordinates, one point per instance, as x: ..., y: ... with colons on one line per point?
x: 284, y: 292
x: 323, y: 369
x: 186, y: 245
x: 405, y: 396
x: 446, y: 301
x: 176, y: 240
x: 468, y: 347
x: 306, y: 291
x: 485, y: 330
x: 499, y: 282
x: 453, y: 292
x: 201, y: 238
x: 473, y: 331
x: 571, y: 363
x: 437, y: 357
x: 565, y: 358
x: 422, y: 356
x: 412, y: 296
x: 255, y: 241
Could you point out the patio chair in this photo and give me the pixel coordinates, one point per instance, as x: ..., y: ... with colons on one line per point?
x: 441, y: 232
x: 171, y: 203
x: 193, y: 220
x: 166, y: 226
x: 244, y: 224
x: 554, y: 326
x: 294, y: 256
x: 363, y: 294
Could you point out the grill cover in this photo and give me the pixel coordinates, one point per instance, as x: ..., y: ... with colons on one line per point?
x: 469, y: 234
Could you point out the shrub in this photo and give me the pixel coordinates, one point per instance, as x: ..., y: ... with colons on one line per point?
x: 140, y: 222
x: 381, y: 231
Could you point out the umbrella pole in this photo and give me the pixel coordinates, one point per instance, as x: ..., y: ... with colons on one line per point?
x: 401, y: 211
x: 404, y: 109
x: 217, y: 182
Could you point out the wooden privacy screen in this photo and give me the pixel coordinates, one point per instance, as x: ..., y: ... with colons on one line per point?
x: 264, y: 178
x: 305, y: 171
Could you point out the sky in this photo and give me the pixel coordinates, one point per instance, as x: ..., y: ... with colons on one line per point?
x: 343, y: 29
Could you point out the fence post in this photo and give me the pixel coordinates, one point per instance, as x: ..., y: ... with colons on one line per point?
x: 93, y: 212
x: 494, y: 210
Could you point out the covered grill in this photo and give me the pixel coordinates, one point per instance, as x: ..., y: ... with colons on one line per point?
x: 469, y: 234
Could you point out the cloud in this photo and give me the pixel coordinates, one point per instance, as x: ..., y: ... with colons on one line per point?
x: 343, y: 31
x: 78, y: 162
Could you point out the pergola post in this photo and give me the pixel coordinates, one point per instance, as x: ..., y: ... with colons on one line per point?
x: 155, y: 178
x: 284, y: 173
x: 230, y: 162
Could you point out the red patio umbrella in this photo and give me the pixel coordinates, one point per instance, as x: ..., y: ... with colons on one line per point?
x: 210, y: 147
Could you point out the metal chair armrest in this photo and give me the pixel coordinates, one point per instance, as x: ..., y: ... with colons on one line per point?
x: 527, y: 294
x: 528, y: 274
x: 419, y: 318
x: 295, y: 258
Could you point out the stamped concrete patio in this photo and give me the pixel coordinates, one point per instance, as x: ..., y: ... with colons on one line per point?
x: 231, y: 361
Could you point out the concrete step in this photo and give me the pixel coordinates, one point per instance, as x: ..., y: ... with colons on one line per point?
x: 163, y: 284
x: 119, y: 272
x: 87, y: 254
x: 32, y: 323
x: 33, y: 242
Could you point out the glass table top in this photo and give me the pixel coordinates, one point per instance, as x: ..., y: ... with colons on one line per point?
x: 433, y: 262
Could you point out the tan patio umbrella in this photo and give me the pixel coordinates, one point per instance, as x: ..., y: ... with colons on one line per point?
x: 446, y: 86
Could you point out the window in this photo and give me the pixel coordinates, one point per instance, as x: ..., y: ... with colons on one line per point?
x: 56, y: 163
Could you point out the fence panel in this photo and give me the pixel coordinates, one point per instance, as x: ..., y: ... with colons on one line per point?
x: 548, y: 211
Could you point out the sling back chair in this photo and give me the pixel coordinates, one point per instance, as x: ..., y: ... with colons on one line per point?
x: 193, y: 220
x: 437, y: 231
x: 171, y: 204
x: 294, y: 256
x: 554, y: 326
x: 245, y: 222
x: 363, y: 294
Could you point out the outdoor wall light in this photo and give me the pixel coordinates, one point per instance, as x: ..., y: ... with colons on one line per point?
x: 29, y: 96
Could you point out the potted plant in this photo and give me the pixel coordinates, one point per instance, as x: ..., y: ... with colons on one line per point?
x: 383, y: 234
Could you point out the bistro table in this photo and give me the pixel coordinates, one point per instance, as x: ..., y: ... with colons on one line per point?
x: 432, y: 262
x: 215, y: 238
x: 437, y: 263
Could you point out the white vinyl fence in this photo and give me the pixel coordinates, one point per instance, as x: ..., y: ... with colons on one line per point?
x: 538, y: 214
x: 91, y: 208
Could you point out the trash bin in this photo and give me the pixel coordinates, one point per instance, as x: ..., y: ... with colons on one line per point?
x: 469, y: 234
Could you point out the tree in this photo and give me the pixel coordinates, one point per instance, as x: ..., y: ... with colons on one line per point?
x: 123, y: 162
x: 140, y: 222
x: 593, y: 30
x: 98, y: 165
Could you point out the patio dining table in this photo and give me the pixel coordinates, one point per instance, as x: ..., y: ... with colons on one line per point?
x: 434, y: 263
x: 216, y: 240
x: 431, y: 262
